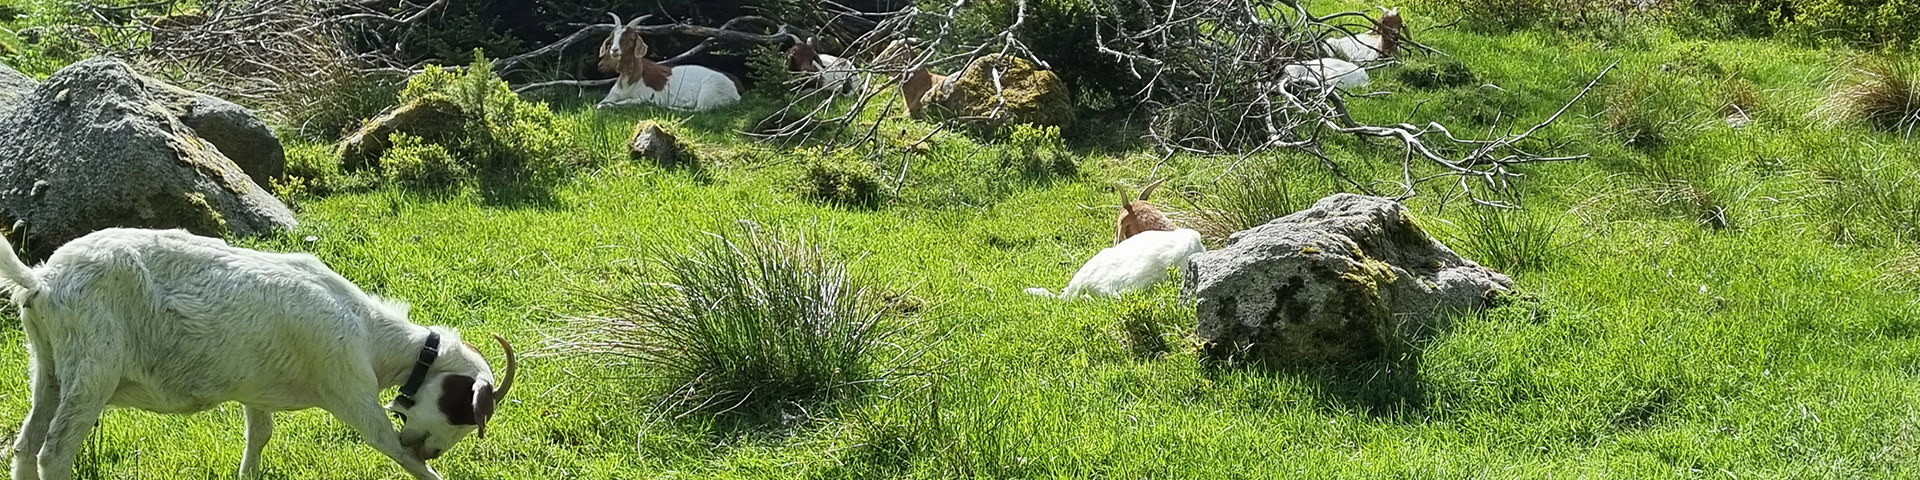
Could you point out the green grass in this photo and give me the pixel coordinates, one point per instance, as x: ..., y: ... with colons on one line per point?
x: 1782, y: 342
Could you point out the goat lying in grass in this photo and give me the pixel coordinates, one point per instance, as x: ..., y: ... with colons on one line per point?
x: 1326, y: 72
x: 1138, y: 215
x: 681, y: 87
x: 169, y: 322
x: 1133, y: 265
x: 822, y: 71
x: 914, y: 84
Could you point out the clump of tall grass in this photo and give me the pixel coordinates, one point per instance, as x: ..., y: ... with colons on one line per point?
x: 746, y: 320
x: 1242, y: 200
x: 1509, y: 240
x: 1882, y: 92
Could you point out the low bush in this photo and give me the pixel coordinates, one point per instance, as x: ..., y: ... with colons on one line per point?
x: 843, y: 178
x: 1037, y: 151
x: 1435, y: 75
x: 413, y: 163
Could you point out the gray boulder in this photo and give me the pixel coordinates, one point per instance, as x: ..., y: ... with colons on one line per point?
x: 239, y: 135
x: 95, y: 147
x: 1342, y: 281
x: 13, y: 85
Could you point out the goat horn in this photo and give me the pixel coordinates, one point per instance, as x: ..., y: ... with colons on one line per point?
x: 616, y: 32
x: 636, y: 21
x: 1146, y: 192
x: 505, y: 383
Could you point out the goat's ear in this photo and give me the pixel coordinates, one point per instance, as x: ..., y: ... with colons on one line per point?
x: 483, y: 403
x: 457, y: 397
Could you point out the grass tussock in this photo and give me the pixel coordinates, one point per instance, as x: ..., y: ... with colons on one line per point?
x: 747, y: 320
x: 1243, y: 200
x: 1509, y: 240
x: 1884, y: 93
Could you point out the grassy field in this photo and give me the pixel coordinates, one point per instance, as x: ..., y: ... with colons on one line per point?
x: 1705, y: 302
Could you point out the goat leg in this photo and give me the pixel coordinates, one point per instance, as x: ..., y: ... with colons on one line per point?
x: 84, y: 390
x: 46, y: 399
x: 259, y: 429
x: 371, y: 421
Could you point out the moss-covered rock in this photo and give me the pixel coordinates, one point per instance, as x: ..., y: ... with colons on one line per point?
x: 1032, y: 95
x: 433, y: 118
x: 1349, y: 279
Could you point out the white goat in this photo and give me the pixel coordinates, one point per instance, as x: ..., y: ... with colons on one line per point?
x: 1326, y: 72
x: 679, y: 87
x: 1382, y: 43
x: 822, y: 71
x: 169, y: 322
x: 1133, y: 265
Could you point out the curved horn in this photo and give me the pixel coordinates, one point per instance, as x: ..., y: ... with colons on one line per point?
x: 636, y: 21
x: 617, y: 27
x: 1147, y: 192
x: 505, y: 383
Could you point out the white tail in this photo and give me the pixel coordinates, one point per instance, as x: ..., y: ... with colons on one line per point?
x: 15, y: 271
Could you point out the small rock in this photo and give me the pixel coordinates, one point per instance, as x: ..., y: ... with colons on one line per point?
x: 650, y: 141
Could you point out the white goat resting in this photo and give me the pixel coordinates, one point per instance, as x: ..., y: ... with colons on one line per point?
x: 680, y: 87
x: 166, y: 321
x: 823, y: 71
x: 1133, y: 265
x: 1330, y: 72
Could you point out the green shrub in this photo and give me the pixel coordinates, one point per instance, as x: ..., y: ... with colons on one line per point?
x: 1883, y: 92
x: 1037, y: 151
x: 1435, y: 75
x: 414, y: 163
x: 746, y: 320
x: 503, y: 140
x: 843, y: 178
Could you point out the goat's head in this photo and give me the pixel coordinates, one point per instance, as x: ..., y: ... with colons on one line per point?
x: 1390, y: 23
x: 803, y: 57
x: 457, y: 398
x: 623, y: 49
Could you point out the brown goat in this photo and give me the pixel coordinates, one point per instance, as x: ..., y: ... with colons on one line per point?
x: 1136, y: 215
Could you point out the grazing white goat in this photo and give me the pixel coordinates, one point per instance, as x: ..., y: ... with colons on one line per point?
x: 169, y: 322
x: 1327, y: 72
x: 824, y: 72
x: 680, y: 87
x: 1381, y: 44
x: 1133, y: 265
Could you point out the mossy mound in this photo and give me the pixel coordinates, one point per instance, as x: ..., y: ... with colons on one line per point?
x: 434, y: 118
x: 1032, y: 95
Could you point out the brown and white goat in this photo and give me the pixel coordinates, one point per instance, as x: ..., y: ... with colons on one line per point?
x: 822, y: 71
x: 915, y: 83
x: 1380, y: 44
x: 1137, y: 215
x: 642, y: 81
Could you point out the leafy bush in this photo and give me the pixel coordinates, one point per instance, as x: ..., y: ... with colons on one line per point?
x: 746, y: 320
x: 1884, y: 93
x: 414, y: 163
x: 1037, y: 151
x: 843, y: 178
x: 503, y: 140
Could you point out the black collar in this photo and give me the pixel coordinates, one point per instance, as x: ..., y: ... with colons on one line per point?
x: 428, y: 353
